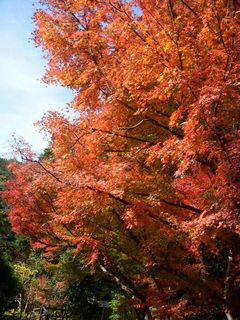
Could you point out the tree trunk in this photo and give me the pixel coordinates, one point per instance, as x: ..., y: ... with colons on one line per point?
x: 229, y: 316
x: 226, y: 288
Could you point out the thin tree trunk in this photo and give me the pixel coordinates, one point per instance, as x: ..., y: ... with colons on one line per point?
x: 228, y: 315
x: 226, y: 288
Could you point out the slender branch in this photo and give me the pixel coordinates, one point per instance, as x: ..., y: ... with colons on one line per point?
x: 135, y: 126
x: 128, y: 23
x: 235, y: 7
x: 161, y: 113
x: 182, y: 206
x: 227, y: 285
x: 221, y: 34
x: 154, y: 122
x: 44, y: 168
x: 170, y: 6
x: 121, y: 135
x: 178, y: 135
x: 190, y: 8
x: 115, y: 151
x: 116, y: 280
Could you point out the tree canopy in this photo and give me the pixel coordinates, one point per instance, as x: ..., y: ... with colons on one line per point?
x: 143, y: 181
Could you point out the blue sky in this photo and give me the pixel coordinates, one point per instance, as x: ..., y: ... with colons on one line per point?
x: 23, y: 97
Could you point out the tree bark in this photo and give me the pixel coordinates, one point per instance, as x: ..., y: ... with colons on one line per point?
x: 226, y: 288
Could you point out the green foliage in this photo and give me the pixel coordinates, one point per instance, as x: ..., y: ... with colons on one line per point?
x: 82, y: 292
x: 16, y: 276
x: 9, y: 286
x: 26, y: 275
x: 6, y: 235
x: 118, y: 312
x: 4, y: 175
x: 46, y: 154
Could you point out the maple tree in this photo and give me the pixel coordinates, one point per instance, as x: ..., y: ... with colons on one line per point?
x: 144, y: 180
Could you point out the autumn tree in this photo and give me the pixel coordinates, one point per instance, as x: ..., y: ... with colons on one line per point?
x: 144, y: 181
